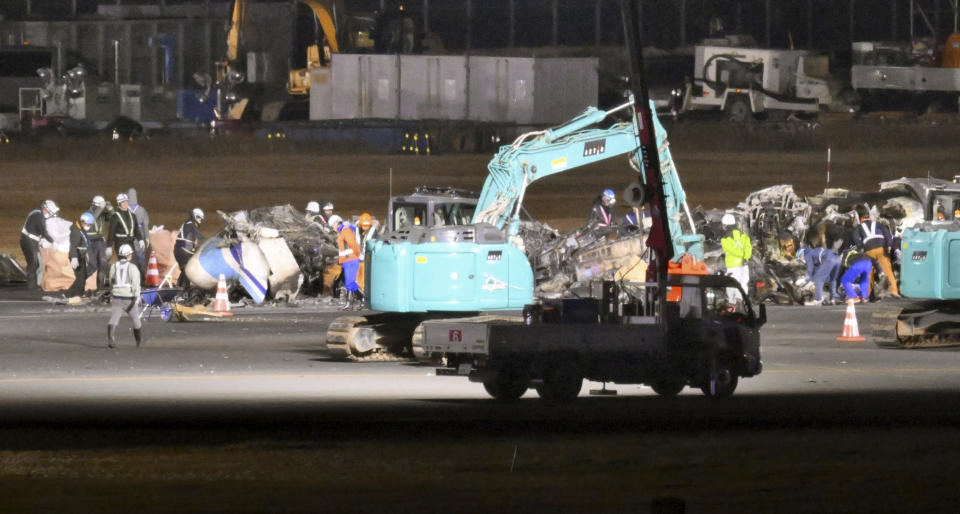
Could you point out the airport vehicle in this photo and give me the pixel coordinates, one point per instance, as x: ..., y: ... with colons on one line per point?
x: 744, y: 82
x: 904, y: 75
x: 929, y: 261
x: 922, y: 75
x: 681, y: 329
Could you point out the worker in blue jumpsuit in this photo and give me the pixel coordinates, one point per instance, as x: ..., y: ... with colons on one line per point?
x: 823, y: 268
x: 859, y: 269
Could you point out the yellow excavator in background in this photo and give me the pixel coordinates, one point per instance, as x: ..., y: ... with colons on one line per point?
x: 334, y: 31
x: 390, y: 31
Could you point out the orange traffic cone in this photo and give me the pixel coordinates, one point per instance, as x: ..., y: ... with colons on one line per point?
x: 221, y: 303
x: 153, y: 271
x: 851, y: 331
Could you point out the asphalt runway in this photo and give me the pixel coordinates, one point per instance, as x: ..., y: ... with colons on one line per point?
x: 827, y: 426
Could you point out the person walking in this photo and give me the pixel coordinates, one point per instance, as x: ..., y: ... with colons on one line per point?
x: 34, y: 229
x: 79, y: 249
x: 124, y: 229
x: 873, y: 238
x: 143, y: 223
x: 188, y: 241
x: 349, y: 260
x: 856, y: 276
x: 125, y: 295
x: 99, y: 253
x: 737, y: 251
x: 823, y: 268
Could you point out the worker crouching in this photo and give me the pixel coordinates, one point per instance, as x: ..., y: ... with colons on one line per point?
x: 125, y: 295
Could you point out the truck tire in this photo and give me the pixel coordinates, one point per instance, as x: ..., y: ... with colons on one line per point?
x: 722, y: 378
x: 562, y: 382
x: 738, y: 110
x: 507, y: 385
x: 669, y: 386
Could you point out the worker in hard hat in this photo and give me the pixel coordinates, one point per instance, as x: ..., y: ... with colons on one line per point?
x: 124, y: 229
x: 349, y: 260
x: 98, y: 254
x: 312, y: 212
x: 737, y: 250
x: 125, y: 295
x: 143, y: 222
x: 34, y: 229
x: 79, y: 248
x: 873, y: 238
x: 367, y: 228
x: 601, y: 214
x: 188, y: 242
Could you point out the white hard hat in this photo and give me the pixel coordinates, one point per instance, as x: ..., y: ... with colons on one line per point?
x: 125, y: 251
x: 122, y: 197
x: 99, y: 201
x: 313, y: 207
x: 50, y: 206
x: 328, y: 206
x: 728, y: 219
x: 334, y: 221
x: 197, y: 213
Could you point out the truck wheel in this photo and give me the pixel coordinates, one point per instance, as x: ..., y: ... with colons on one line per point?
x: 669, y: 386
x: 561, y: 383
x: 721, y: 379
x: 738, y: 110
x: 507, y: 385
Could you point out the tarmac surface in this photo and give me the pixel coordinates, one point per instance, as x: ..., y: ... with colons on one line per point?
x: 249, y: 414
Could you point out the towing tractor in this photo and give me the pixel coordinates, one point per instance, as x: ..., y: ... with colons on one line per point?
x: 929, y: 273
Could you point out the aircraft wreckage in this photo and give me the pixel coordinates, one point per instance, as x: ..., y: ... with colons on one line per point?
x: 274, y: 253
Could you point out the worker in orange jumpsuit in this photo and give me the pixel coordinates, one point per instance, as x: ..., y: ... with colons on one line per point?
x: 349, y: 260
x: 367, y: 229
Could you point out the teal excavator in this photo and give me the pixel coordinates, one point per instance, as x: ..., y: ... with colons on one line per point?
x: 419, y: 273
x: 929, y: 273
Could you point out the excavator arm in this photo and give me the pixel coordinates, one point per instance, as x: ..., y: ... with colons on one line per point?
x: 326, y: 23
x: 537, y: 155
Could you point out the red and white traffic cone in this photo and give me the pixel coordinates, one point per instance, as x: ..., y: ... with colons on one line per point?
x: 851, y: 331
x: 153, y: 271
x: 221, y: 303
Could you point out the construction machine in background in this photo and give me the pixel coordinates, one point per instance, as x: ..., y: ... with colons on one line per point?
x: 333, y: 29
x: 929, y: 277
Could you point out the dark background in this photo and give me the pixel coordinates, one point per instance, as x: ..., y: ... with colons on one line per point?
x: 816, y: 24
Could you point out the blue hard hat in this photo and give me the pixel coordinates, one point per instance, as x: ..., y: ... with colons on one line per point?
x: 609, y: 194
x: 86, y: 218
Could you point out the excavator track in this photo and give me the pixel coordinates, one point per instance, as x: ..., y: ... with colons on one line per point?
x: 924, y: 324
x: 383, y: 337
x: 364, y: 339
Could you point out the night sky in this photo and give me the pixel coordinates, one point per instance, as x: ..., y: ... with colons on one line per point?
x: 829, y: 28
